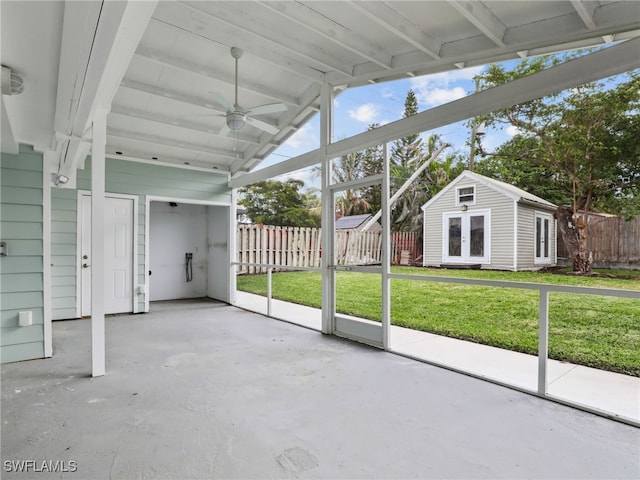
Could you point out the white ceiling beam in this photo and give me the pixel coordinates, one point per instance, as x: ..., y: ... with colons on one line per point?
x: 483, y: 18
x: 385, y: 16
x: 250, y: 22
x: 197, y: 164
x: 176, y: 122
x: 80, y: 23
x: 189, y: 20
x: 585, y: 10
x: 595, y: 66
x: 177, y: 63
x: 310, y: 19
x: 113, y: 38
x: 204, y: 104
x: 158, y: 140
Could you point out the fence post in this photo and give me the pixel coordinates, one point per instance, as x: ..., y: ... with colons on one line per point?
x: 543, y: 340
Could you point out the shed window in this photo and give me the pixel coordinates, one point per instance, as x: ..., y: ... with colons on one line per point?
x: 466, y: 195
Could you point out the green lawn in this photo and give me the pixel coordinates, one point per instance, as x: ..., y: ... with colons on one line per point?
x: 602, y: 332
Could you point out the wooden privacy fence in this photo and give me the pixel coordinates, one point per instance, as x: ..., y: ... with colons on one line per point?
x: 301, y: 247
x: 612, y: 240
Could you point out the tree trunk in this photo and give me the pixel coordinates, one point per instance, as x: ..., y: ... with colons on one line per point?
x: 573, y: 231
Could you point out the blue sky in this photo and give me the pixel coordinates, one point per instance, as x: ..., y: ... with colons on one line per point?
x: 382, y: 103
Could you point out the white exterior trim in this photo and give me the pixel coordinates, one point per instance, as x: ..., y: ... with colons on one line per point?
x: 134, y: 237
x: 46, y: 252
x: 486, y: 259
x: 475, y: 195
x: 543, y: 216
x: 515, y: 236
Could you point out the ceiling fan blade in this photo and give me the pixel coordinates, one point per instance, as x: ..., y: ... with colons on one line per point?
x: 269, y: 108
x: 222, y: 100
x: 224, y: 131
x: 262, y: 125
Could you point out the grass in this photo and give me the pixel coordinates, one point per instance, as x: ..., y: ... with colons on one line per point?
x: 601, y: 332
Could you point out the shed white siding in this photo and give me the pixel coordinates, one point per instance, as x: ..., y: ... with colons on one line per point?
x: 502, y: 224
x: 526, y: 237
x: 512, y: 216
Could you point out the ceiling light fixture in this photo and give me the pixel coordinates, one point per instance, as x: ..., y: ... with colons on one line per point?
x: 236, y: 120
x: 12, y: 82
x: 59, y: 179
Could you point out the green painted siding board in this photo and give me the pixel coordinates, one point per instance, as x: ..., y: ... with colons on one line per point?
x: 9, y: 318
x: 18, y: 335
x: 23, y: 264
x: 64, y: 261
x: 21, y: 162
x: 64, y: 313
x: 62, y: 281
x: 20, y: 213
x: 63, y: 215
x: 63, y: 238
x: 21, y: 230
x: 21, y: 300
x: 63, y: 204
x: 63, y: 249
x: 20, y: 282
x: 21, y: 196
x: 64, y: 291
x: 63, y: 302
x: 24, y: 351
x: 20, y: 248
x: 63, y: 227
x: 21, y: 178
x: 63, y: 271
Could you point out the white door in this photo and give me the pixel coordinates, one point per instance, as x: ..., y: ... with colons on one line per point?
x: 543, y: 240
x: 466, y: 237
x: 118, y: 251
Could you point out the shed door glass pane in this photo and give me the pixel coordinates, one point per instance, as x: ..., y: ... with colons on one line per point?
x: 476, y: 233
x: 455, y: 237
x: 546, y: 238
x: 538, y: 236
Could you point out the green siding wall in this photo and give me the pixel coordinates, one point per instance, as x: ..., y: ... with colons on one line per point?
x: 123, y: 177
x: 63, y: 252
x: 21, y: 273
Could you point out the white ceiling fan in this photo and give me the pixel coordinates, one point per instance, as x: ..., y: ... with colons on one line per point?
x: 236, y: 116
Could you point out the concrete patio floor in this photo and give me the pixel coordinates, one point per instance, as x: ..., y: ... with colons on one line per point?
x: 199, y: 389
x: 608, y: 392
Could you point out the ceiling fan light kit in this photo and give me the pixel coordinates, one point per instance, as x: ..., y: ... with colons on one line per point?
x: 236, y: 120
x: 237, y: 117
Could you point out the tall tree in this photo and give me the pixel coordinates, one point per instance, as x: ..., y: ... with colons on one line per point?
x: 271, y: 202
x: 586, y: 139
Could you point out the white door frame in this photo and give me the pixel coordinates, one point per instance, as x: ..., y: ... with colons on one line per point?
x: 134, y: 234
x: 465, y: 256
x: 542, y: 260
x: 188, y: 201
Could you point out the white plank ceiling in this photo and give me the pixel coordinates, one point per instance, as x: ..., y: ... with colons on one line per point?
x: 167, y: 108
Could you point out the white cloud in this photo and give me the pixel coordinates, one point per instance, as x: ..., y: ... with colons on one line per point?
x: 439, y: 88
x: 512, y: 131
x: 438, y: 96
x: 366, y: 113
x: 304, y: 137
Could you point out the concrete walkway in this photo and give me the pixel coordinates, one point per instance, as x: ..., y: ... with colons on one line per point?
x: 597, y: 389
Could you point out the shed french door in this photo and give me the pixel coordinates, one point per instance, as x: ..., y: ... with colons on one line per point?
x: 543, y: 238
x: 466, y: 237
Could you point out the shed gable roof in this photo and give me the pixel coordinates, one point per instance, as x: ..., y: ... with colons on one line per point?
x: 514, y: 193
